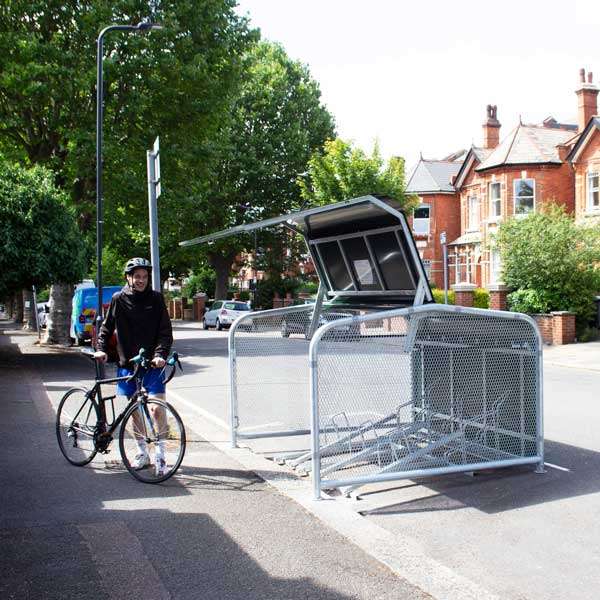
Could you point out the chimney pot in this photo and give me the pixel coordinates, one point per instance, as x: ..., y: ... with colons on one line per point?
x: 587, y: 100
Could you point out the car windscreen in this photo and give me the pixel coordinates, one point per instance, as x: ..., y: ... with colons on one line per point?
x: 236, y: 306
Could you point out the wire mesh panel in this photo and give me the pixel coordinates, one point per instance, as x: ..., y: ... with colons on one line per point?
x: 421, y: 391
x: 269, y: 370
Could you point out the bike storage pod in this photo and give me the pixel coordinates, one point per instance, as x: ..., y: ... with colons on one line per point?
x: 374, y: 381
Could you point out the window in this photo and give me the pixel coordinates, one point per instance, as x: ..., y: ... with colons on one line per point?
x: 495, y: 204
x: 495, y: 266
x: 427, y: 268
x: 593, y: 191
x: 421, y: 220
x: 473, y: 216
x: 524, y: 195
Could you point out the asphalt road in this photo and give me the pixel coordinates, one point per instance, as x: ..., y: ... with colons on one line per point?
x: 519, y: 534
x: 214, y: 531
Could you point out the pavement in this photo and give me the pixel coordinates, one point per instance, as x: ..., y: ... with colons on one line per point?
x: 234, y: 524
x: 214, y: 531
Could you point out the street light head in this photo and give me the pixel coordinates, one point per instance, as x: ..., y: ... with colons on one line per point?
x: 147, y: 26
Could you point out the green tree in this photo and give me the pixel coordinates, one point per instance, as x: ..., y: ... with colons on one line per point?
x: 341, y: 172
x: 551, y: 262
x: 276, y: 123
x: 41, y: 241
x: 176, y: 82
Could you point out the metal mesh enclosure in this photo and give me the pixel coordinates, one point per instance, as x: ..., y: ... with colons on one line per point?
x: 424, y: 390
x: 269, y: 370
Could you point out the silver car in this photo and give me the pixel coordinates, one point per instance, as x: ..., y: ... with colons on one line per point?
x: 223, y: 313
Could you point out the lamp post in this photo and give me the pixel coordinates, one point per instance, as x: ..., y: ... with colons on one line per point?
x: 143, y: 26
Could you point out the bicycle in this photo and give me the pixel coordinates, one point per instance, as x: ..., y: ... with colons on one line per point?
x: 83, y: 428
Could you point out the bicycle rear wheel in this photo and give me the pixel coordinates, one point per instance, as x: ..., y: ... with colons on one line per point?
x: 155, y: 429
x: 76, y: 421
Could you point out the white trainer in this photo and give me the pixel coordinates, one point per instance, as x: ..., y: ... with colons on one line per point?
x: 141, y: 461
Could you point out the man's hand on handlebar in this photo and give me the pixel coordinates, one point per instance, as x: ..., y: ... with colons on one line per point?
x: 158, y: 362
x: 100, y: 356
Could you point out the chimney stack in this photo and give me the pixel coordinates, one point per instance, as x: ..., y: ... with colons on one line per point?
x: 587, y: 100
x: 491, y: 128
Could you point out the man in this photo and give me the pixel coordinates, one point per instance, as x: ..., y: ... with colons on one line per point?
x: 139, y: 316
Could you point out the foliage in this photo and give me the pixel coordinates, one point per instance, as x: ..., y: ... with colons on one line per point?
x: 481, y: 298
x: 438, y: 296
x: 309, y: 287
x: 177, y: 82
x: 341, y: 172
x: 276, y: 122
x: 202, y: 279
x: 112, y: 267
x: 529, y: 301
x: 41, y: 241
x: 551, y: 261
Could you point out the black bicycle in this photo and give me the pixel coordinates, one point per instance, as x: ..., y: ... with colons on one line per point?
x: 151, y: 435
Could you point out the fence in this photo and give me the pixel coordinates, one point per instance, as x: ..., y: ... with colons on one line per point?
x: 396, y: 394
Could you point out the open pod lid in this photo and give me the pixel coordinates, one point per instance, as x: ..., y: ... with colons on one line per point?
x: 362, y: 248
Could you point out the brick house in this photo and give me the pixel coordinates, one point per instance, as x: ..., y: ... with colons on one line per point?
x: 431, y: 181
x: 584, y: 156
x: 533, y: 166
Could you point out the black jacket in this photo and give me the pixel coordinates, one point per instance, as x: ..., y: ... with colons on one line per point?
x: 141, y: 321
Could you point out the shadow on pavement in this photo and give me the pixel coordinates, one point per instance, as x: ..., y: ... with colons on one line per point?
x: 501, y: 490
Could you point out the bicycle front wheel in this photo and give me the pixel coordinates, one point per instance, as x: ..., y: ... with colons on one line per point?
x: 76, y: 421
x: 152, y: 441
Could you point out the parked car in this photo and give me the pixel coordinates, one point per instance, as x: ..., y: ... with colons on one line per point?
x: 43, y: 308
x: 223, y: 313
x: 300, y: 322
x: 84, y: 311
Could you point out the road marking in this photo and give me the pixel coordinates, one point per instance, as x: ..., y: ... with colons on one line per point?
x: 123, y: 567
x: 261, y: 426
x: 557, y: 467
x: 203, y: 413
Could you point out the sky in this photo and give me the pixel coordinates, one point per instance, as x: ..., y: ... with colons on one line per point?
x: 417, y: 76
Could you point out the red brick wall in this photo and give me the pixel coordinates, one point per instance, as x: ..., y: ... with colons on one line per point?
x: 556, y: 328
x: 544, y: 323
x: 444, y: 215
x: 553, y: 183
x: 587, y: 162
x: 563, y: 328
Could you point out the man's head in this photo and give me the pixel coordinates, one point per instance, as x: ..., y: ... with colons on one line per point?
x: 137, y: 271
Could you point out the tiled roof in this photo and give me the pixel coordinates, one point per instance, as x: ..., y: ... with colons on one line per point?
x: 584, y: 138
x: 474, y: 155
x: 473, y: 237
x: 527, y: 144
x: 432, y: 176
x: 481, y: 153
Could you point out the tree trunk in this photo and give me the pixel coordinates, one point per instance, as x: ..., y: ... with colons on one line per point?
x: 10, y: 303
x: 58, y: 323
x: 222, y: 266
x: 18, y: 308
x: 29, y: 311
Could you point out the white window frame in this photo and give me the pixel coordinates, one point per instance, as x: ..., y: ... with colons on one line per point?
x: 591, y: 207
x: 422, y: 221
x: 456, y: 266
x: 495, y: 266
x: 473, y: 224
x: 515, y: 181
x: 427, y: 267
x: 495, y: 203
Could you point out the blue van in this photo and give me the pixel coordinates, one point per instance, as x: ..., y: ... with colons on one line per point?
x: 84, y: 311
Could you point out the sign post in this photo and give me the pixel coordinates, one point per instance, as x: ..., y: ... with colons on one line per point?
x: 445, y: 262
x: 153, y: 164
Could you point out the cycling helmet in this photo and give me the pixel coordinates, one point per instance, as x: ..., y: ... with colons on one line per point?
x: 137, y: 263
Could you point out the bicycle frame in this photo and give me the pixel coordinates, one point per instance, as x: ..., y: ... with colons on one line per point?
x: 95, y: 394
